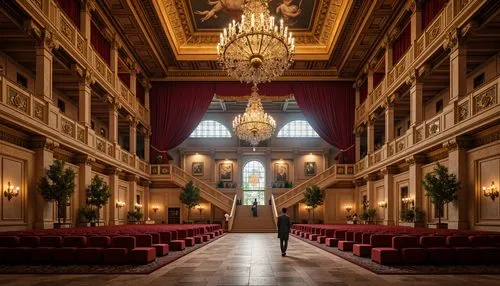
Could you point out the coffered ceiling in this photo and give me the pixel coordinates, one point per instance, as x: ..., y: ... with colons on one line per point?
x: 176, y: 39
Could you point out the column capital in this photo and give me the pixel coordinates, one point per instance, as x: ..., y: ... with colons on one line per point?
x: 84, y: 159
x: 358, y: 131
x: 89, y: 5
x: 45, y: 143
x: 133, y: 178
x: 459, y: 142
x: 388, y: 103
x: 133, y: 122
x: 389, y: 170
x: 370, y: 177
x: 371, y: 119
x: 45, y: 37
x: 412, y: 6
x: 146, y: 84
x: 112, y: 102
x: 144, y: 183
x: 360, y: 182
x: 411, y: 79
x: 415, y: 159
x: 116, y: 44
x: 112, y: 170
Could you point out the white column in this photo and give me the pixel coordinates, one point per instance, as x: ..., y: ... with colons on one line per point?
x: 132, y: 135
x: 389, y: 211
x: 132, y: 193
x: 389, y: 121
x: 458, y: 72
x: 43, y: 76
x: 44, y: 157
x: 415, y: 176
x: 84, y: 163
x: 416, y: 103
x: 457, y: 164
x: 370, y: 189
x: 84, y: 99
x: 113, y: 185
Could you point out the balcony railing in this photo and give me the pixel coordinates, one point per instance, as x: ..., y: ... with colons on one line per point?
x: 422, y: 48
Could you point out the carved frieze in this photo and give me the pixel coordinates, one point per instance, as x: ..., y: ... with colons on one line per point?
x: 463, y: 111
x: 67, y: 127
x: 67, y: 29
x: 485, y: 99
x: 18, y: 100
x: 39, y: 111
x: 45, y: 143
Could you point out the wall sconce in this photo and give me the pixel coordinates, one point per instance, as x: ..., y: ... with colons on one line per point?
x: 138, y: 206
x: 382, y: 204
x: 348, y: 208
x: 491, y: 191
x: 155, y: 209
x: 11, y: 191
x: 408, y: 201
x: 308, y: 208
x: 120, y: 204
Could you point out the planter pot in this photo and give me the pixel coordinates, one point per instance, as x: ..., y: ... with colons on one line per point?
x: 350, y: 222
x: 62, y: 225
x: 412, y: 224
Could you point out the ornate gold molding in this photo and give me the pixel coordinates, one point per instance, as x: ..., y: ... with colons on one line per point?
x: 45, y: 143
x: 460, y: 142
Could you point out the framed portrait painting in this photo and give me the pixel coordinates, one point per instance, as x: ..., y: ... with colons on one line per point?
x: 281, y: 172
x: 198, y: 169
x: 310, y: 169
x: 226, y: 172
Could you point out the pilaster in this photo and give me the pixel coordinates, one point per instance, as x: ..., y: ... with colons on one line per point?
x: 113, y: 216
x: 388, y: 55
x: 390, y: 211
x: 359, y: 130
x: 132, y: 134
x: 84, y: 98
x: 458, y: 64
x: 133, y: 180
x: 84, y: 163
x: 370, y: 190
x: 416, y: 99
x: 44, y: 157
x: 86, y: 17
x: 113, y: 107
x: 370, y: 134
x: 46, y: 42
x: 415, y: 20
x: 415, y: 163
x: 389, y: 119
x: 457, y: 164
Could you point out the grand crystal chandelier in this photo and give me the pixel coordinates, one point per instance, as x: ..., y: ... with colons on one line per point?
x: 256, y: 50
x: 254, y: 125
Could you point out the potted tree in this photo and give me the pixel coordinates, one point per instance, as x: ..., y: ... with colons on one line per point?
x: 135, y: 216
x: 190, y: 197
x: 412, y: 217
x: 441, y: 187
x: 98, y: 194
x: 88, y: 215
x: 313, y: 198
x: 371, y: 214
x: 57, y: 186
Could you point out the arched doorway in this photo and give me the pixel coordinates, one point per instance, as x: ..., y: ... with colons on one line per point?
x: 254, y: 182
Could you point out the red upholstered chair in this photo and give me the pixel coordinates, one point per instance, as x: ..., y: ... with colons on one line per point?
x: 161, y: 248
x: 10, y: 250
x: 118, y: 252
x: 324, y: 235
x: 143, y: 253
x: 463, y: 253
x: 348, y: 242
x: 333, y: 241
x: 29, y: 241
x: 177, y: 245
x: 364, y: 248
x: 410, y: 249
x: 437, y: 252
x: 44, y: 253
x: 490, y: 254
x: 382, y: 250
x: 93, y: 252
x: 67, y: 253
x: 165, y: 236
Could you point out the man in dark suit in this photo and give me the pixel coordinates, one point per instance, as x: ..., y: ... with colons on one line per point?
x: 284, y: 226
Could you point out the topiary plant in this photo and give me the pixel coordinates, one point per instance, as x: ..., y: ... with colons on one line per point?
x: 190, y: 197
x: 441, y: 187
x: 98, y: 194
x: 313, y: 197
x: 57, y: 186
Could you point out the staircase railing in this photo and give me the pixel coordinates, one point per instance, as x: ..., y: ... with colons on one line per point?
x: 275, y: 211
x: 335, y: 172
x: 208, y: 192
x: 231, y: 216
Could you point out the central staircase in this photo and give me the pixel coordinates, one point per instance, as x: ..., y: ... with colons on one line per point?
x: 245, y: 222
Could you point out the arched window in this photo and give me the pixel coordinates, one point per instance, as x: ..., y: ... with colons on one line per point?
x: 297, y: 129
x: 254, y: 182
x: 210, y: 129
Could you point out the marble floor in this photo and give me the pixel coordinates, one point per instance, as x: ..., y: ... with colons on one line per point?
x: 254, y: 259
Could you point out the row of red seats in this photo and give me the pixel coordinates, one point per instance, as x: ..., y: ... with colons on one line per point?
x: 139, y: 244
x: 394, y: 244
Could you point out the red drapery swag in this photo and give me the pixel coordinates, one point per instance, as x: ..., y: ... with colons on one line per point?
x: 329, y: 108
x: 176, y: 110
x: 72, y: 9
x: 401, y: 44
x: 430, y: 9
x: 363, y: 92
x: 140, y: 93
x: 100, y: 44
x: 125, y: 79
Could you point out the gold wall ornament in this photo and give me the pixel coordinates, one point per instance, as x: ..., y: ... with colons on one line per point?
x: 256, y: 50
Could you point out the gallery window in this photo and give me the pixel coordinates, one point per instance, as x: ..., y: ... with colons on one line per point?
x: 297, y: 129
x: 210, y: 129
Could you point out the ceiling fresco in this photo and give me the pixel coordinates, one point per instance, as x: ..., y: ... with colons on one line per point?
x: 216, y: 14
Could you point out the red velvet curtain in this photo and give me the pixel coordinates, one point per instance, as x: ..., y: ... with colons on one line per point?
x: 72, y: 9
x: 401, y: 44
x: 100, y: 44
x: 140, y: 92
x: 430, y: 9
x: 329, y: 108
x: 363, y: 92
x: 176, y: 110
x: 124, y: 78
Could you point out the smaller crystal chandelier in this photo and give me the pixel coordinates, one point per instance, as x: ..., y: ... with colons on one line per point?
x: 11, y: 191
x: 254, y: 125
